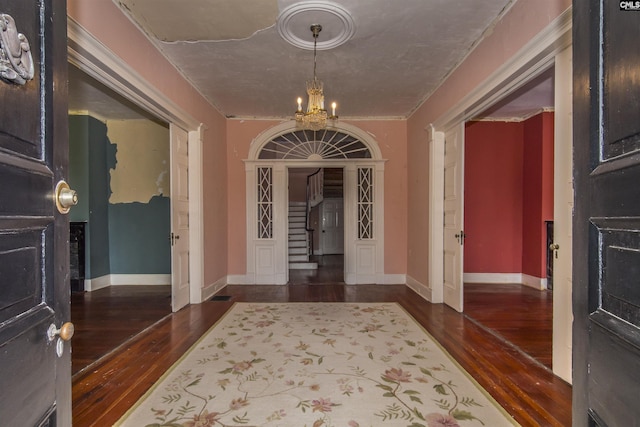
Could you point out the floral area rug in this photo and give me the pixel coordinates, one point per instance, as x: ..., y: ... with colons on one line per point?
x: 313, y: 365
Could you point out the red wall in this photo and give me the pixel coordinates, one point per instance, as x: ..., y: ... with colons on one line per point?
x: 508, y: 195
x: 537, y: 192
x: 493, y: 197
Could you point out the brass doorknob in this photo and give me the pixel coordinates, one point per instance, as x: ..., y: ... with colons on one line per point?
x: 65, y: 332
x: 554, y: 246
x: 65, y: 197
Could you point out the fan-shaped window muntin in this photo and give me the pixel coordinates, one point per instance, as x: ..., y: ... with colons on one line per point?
x: 314, y: 145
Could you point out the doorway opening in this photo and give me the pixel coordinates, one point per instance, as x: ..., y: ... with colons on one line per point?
x: 344, y: 147
x: 120, y: 254
x: 316, y: 225
x: 526, y: 67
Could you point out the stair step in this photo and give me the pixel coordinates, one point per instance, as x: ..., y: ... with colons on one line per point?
x: 297, y: 237
x: 297, y: 244
x: 299, y: 258
x: 302, y: 250
x: 303, y: 265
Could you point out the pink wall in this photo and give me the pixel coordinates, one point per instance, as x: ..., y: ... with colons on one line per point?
x: 104, y: 21
x: 523, y: 21
x: 537, y: 192
x: 493, y: 197
x: 391, y: 136
x: 508, y: 195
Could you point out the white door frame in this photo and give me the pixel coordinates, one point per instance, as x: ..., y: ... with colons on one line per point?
x: 537, y: 56
x: 267, y: 261
x: 93, y: 58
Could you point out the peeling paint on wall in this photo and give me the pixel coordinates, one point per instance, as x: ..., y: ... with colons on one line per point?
x: 142, y: 160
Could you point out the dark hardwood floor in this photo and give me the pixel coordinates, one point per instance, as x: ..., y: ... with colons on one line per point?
x: 105, y: 319
x: 521, y: 315
x: 104, y: 390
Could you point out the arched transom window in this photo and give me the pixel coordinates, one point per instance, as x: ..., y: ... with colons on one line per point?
x: 314, y: 145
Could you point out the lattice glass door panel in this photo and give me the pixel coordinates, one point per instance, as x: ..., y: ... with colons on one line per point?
x: 265, y: 203
x: 365, y: 203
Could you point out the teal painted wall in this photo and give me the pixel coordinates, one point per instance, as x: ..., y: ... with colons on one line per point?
x: 79, y: 166
x: 90, y: 155
x: 139, y: 235
x: 121, y: 238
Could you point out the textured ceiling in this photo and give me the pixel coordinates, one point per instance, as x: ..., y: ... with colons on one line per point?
x: 397, y: 54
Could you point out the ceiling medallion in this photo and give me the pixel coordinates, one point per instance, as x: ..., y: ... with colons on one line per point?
x: 294, y: 21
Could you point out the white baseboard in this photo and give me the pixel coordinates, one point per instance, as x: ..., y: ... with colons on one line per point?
x: 240, y: 279
x: 420, y: 288
x: 492, y: 278
x: 97, y: 283
x: 211, y: 290
x: 126, y: 279
x: 395, y: 279
x: 534, y: 282
x: 506, y: 278
x: 387, y: 279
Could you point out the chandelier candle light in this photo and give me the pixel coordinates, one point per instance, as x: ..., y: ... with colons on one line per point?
x: 315, y: 117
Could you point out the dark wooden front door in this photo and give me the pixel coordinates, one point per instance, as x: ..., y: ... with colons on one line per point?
x: 606, y: 347
x: 34, y: 274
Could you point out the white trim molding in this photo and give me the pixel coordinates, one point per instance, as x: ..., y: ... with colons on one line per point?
x: 196, y: 217
x: 531, y: 60
x: 240, y: 279
x: 395, y: 279
x: 126, y: 280
x: 507, y: 278
x: 95, y: 59
x: 420, y: 288
x: 212, y: 289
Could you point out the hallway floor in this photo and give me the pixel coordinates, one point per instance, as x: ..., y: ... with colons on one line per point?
x: 483, y: 340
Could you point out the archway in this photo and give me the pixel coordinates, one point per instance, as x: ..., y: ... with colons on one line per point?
x: 285, y: 146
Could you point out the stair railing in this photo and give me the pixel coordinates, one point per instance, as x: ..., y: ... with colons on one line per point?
x: 314, y: 193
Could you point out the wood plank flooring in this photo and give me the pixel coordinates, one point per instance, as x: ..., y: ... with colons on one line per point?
x: 107, y: 318
x: 104, y: 390
x: 521, y: 315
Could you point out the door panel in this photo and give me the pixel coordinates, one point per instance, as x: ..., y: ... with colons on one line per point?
x: 562, y: 217
x: 180, y: 288
x: 607, y: 214
x: 453, y: 216
x: 34, y: 248
x: 332, y: 227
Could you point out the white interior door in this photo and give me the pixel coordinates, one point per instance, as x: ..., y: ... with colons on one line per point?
x: 179, y: 218
x: 453, y: 216
x: 332, y: 227
x: 562, y: 217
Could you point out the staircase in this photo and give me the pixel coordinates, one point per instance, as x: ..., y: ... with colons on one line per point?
x: 299, y: 238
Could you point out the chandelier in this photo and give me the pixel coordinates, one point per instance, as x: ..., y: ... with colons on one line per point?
x: 315, y: 117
